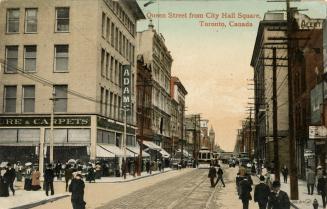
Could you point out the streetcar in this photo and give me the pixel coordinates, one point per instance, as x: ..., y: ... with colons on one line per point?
x: 205, y: 157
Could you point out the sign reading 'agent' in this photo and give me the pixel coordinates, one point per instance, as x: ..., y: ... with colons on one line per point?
x: 127, y: 80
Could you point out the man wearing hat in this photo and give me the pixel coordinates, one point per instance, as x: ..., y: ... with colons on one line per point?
x: 48, y: 179
x: 76, y: 187
x: 261, y: 193
x: 278, y: 199
x: 10, y: 176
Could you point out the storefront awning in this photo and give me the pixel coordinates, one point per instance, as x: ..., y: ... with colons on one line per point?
x: 164, y: 153
x: 116, y: 150
x: 136, y: 151
x: 103, y: 153
x: 152, y: 145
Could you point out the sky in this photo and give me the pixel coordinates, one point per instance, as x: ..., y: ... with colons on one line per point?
x: 213, y: 62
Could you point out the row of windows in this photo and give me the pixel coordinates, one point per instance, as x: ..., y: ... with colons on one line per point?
x: 122, y: 16
x: 111, y: 106
x: 28, y: 98
x: 117, y: 39
x: 30, y: 57
x: 31, y: 20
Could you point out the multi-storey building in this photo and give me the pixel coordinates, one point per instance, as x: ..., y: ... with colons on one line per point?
x: 151, y: 46
x: 270, y: 35
x: 306, y: 61
x: 177, y: 122
x: 73, y: 51
x: 212, y: 138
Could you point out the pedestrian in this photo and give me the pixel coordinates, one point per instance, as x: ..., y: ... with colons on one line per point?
x: 98, y: 170
x: 285, y: 173
x: 76, y: 187
x: 278, y: 199
x: 322, y: 188
x: 28, y: 178
x: 36, y: 180
x: 238, y: 179
x: 68, y: 175
x: 212, y: 175
x: 261, y: 193
x: 19, y: 171
x: 253, y: 169
x: 220, y: 176
x: 10, y: 177
x: 147, y: 166
x: 91, y: 173
x: 163, y: 165
x: 4, y: 188
x: 57, y: 170
x: 311, y: 179
x: 268, y: 179
x: 245, y: 192
x: 159, y: 165
x: 48, y: 179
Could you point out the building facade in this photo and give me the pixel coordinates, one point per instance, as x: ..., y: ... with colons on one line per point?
x: 151, y: 46
x: 72, y: 52
x: 271, y: 31
x: 177, y: 122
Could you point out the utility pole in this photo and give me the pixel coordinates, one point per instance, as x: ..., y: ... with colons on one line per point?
x: 293, y: 165
x: 124, y: 140
x: 51, y: 124
x: 250, y: 136
x: 275, y: 128
x: 141, y: 131
x: 182, y: 134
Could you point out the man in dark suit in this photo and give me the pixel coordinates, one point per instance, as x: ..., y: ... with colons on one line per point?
x: 48, y: 179
x: 245, y: 192
x: 10, y: 176
x: 212, y: 175
x: 261, y: 193
x: 278, y: 199
x: 220, y: 176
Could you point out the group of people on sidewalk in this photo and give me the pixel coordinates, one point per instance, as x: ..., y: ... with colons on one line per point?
x: 266, y: 194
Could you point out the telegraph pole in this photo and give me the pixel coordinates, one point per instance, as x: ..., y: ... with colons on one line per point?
x: 293, y: 164
x: 275, y: 128
x: 124, y: 140
x: 51, y: 124
x: 250, y: 136
x: 182, y: 134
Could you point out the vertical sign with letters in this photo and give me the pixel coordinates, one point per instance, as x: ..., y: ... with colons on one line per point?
x: 127, y: 86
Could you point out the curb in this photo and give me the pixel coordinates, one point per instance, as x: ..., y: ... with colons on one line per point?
x: 41, y: 202
x: 136, y: 178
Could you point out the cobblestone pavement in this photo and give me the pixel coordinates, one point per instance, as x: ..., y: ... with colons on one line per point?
x: 189, y: 191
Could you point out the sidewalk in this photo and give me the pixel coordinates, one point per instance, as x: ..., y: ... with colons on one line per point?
x: 305, y: 201
x: 27, y: 199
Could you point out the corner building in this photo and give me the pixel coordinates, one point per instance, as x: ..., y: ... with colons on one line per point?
x: 75, y: 52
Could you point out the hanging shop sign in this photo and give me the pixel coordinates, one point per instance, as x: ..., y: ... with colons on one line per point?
x: 44, y: 121
x: 317, y: 132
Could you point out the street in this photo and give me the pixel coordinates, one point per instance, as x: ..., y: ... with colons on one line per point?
x: 186, y: 189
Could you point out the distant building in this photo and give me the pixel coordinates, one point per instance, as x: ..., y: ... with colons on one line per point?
x: 212, y: 138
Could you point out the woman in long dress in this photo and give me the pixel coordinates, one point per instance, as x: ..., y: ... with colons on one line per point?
x: 28, y: 178
x: 36, y: 180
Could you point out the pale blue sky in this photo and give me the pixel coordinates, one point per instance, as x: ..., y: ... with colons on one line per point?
x: 214, y: 63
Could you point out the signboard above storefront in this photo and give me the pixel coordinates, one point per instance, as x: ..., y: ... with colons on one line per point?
x: 317, y: 132
x: 306, y: 23
x: 44, y: 121
x: 107, y: 124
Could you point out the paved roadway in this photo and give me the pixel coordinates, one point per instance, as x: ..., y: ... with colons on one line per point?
x: 188, y: 191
